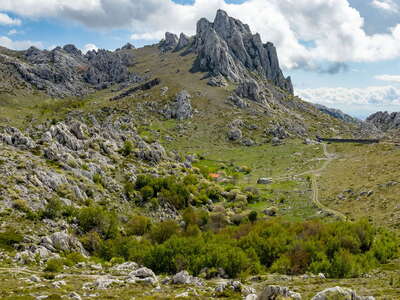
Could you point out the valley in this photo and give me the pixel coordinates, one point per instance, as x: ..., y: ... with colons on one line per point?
x: 208, y: 183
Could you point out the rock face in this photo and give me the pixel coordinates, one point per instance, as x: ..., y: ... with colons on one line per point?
x: 61, y: 241
x: 66, y: 71
x: 339, y: 293
x: 273, y: 292
x: 227, y: 47
x: 183, y: 42
x: 170, y: 42
x: 384, y: 120
x: 251, y: 90
x: 180, y: 109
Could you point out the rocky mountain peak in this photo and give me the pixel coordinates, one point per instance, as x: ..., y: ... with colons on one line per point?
x: 384, y: 120
x: 71, y: 49
x: 227, y: 47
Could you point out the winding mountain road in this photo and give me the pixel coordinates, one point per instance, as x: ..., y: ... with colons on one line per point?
x: 329, y: 157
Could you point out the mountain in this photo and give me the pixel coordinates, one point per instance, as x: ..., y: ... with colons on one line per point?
x: 185, y: 169
x: 337, y: 113
x: 66, y: 71
x: 385, y: 121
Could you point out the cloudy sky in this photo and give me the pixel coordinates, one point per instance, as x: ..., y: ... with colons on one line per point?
x: 340, y: 53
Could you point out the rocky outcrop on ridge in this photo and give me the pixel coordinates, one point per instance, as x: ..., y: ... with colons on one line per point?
x: 66, y: 71
x: 385, y: 121
x: 183, y: 42
x: 228, y: 47
x: 336, y: 113
x: 169, y: 43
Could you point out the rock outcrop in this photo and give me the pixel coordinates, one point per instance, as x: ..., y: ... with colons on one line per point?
x: 228, y: 47
x: 385, y: 121
x: 339, y: 293
x: 183, y: 42
x: 180, y: 109
x: 66, y: 71
x: 273, y: 292
x: 169, y: 43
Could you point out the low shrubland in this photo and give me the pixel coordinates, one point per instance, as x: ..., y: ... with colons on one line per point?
x: 205, y: 241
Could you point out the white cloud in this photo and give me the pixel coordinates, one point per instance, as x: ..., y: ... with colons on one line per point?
x: 18, y: 45
x: 7, y: 20
x: 389, y: 78
x: 150, y: 36
x: 387, y: 5
x: 335, y: 28
x: 12, y: 32
x: 370, y: 96
x: 89, y: 47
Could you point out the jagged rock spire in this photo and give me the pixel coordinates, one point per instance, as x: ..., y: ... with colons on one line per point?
x: 227, y: 47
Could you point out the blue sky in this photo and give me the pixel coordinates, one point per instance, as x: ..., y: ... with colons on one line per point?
x: 340, y: 53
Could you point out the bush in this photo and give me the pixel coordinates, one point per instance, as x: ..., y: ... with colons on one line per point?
x: 138, y: 225
x: 9, y: 238
x: 127, y: 148
x: 54, y: 265
x: 54, y: 209
x: 96, y: 218
x: 163, y: 231
x: 253, y: 216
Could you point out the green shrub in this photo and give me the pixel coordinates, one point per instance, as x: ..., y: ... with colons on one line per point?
x: 54, y: 209
x: 54, y: 265
x: 147, y: 193
x: 138, y: 225
x: 127, y: 148
x: 253, y: 216
x: 9, y: 238
x: 163, y: 231
x: 96, y: 218
x: 98, y: 179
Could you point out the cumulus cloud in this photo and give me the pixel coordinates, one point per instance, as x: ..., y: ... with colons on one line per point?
x: 370, y: 97
x: 389, y: 78
x: 333, y: 28
x: 386, y: 5
x: 18, y: 45
x: 7, y: 20
x: 89, y: 47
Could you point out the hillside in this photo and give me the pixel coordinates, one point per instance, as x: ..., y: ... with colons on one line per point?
x: 191, y: 154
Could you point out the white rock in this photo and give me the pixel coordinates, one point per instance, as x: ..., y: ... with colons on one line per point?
x: 182, y: 295
x: 74, y: 296
x: 251, y: 297
x: 182, y: 277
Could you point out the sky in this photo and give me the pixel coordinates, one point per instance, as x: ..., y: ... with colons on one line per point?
x: 340, y: 53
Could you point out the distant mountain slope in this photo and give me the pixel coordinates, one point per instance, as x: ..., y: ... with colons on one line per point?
x: 337, y: 113
x: 385, y: 121
x: 66, y: 71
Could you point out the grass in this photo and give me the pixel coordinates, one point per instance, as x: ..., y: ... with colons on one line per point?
x: 361, y: 170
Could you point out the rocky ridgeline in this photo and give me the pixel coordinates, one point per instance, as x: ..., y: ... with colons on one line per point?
x: 337, y: 114
x: 227, y: 47
x: 67, y: 71
x: 385, y: 121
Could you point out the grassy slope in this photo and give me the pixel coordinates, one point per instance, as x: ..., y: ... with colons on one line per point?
x: 361, y: 169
